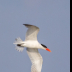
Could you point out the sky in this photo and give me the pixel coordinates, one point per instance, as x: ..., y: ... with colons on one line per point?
x: 53, y: 19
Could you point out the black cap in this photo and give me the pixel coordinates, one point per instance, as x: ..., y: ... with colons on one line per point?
x: 44, y: 46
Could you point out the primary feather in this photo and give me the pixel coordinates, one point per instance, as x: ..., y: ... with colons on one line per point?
x: 36, y: 59
x: 32, y: 32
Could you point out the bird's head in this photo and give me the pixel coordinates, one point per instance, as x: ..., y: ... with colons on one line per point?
x: 46, y: 47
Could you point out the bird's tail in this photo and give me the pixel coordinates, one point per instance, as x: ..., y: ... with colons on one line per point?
x: 18, y: 43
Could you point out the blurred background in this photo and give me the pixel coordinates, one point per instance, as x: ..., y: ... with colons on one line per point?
x: 53, y: 19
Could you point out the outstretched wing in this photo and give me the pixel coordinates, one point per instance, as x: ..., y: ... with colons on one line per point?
x: 36, y: 59
x: 31, y: 32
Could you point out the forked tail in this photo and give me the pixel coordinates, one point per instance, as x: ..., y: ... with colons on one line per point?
x: 18, y: 43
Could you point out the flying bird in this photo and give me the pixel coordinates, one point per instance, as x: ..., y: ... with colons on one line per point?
x: 32, y: 45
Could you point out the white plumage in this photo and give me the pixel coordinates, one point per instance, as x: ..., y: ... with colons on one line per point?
x: 32, y: 45
x: 31, y: 32
x: 36, y: 59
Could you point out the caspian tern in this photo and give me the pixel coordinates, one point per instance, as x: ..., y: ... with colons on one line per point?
x: 32, y: 45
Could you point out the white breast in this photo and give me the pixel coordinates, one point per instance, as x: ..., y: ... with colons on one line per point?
x: 32, y: 44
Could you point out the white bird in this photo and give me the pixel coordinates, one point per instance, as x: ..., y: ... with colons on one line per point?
x: 32, y: 45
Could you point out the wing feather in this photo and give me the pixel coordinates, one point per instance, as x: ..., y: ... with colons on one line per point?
x: 36, y: 59
x: 31, y: 32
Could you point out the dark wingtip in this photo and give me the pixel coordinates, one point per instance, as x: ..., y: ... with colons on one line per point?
x: 24, y: 24
x: 27, y: 24
x: 18, y: 44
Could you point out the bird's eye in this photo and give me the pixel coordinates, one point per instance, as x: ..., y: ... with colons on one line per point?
x: 44, y: 46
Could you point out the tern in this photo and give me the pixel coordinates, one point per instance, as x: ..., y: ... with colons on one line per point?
x: 32, y: 45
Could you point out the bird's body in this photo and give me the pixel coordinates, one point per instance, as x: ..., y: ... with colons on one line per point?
x: 32, y: 45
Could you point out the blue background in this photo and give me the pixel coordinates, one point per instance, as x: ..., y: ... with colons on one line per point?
x: 53, y: 19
